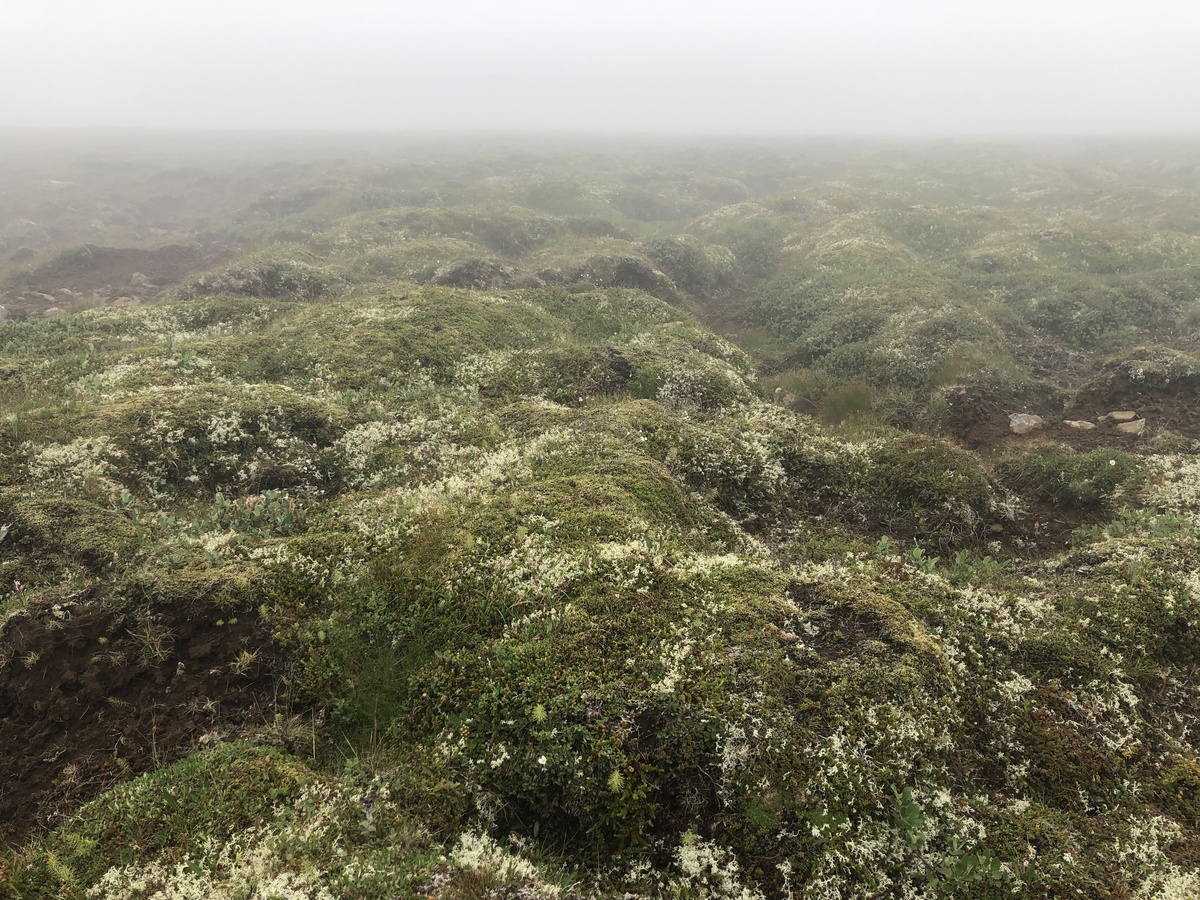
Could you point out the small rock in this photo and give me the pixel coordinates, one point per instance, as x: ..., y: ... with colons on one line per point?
x: 1080, y: 424
x: 1023, y: 423
x: 53, y: 311
x: 784, y: 398
x: 137, y: 279
x: 1136, y: 427
x: 1123, y: 415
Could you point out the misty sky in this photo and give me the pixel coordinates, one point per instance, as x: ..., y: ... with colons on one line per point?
x: 899, y: 67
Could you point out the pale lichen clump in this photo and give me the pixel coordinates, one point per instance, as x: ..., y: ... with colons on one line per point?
x: 247, y: 866
x: 89, y: 463
x: 710, y: 871
x: 1176, y: 485
x: 479, y: 852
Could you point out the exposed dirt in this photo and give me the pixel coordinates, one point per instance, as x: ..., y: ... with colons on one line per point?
x: 1045, y: 530
x: 840, y: 628
x: 108, y: 274
x: 1170, y: 410
x: 981, y: 422
x: 89, y: 697
x: 1165, y: 405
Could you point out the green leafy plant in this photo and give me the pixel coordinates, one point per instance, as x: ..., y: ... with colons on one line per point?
x: 909, y: 819
x: 918, y: 558
x: 271, y: 512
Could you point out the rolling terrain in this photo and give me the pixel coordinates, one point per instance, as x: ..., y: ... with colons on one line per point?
x: 502, y: 517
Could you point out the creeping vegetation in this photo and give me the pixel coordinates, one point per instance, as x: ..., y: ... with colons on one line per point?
x: 442, y: 540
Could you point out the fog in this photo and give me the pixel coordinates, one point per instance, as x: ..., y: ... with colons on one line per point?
x: 923, y: 67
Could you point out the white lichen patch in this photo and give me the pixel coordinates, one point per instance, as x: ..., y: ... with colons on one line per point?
x: 85, y: 462
x: 1174, y: 485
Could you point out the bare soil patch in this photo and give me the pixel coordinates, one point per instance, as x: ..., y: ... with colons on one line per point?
x: 1165, y: 405
x: 90, y: 697
x: 981, y: 423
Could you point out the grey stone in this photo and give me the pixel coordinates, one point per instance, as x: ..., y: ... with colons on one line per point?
x: 1023, y: 423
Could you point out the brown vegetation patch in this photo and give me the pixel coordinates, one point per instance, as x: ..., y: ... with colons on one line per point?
x: 91, y: 268
x: 108, y: 274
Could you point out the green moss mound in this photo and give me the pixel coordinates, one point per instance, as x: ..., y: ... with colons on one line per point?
x: 168, y: 815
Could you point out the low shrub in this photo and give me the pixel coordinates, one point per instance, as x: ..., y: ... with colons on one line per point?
x: 1055, y: 474
x: 266, y: 277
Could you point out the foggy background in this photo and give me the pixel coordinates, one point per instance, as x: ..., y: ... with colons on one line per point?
x: 920, y: 67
